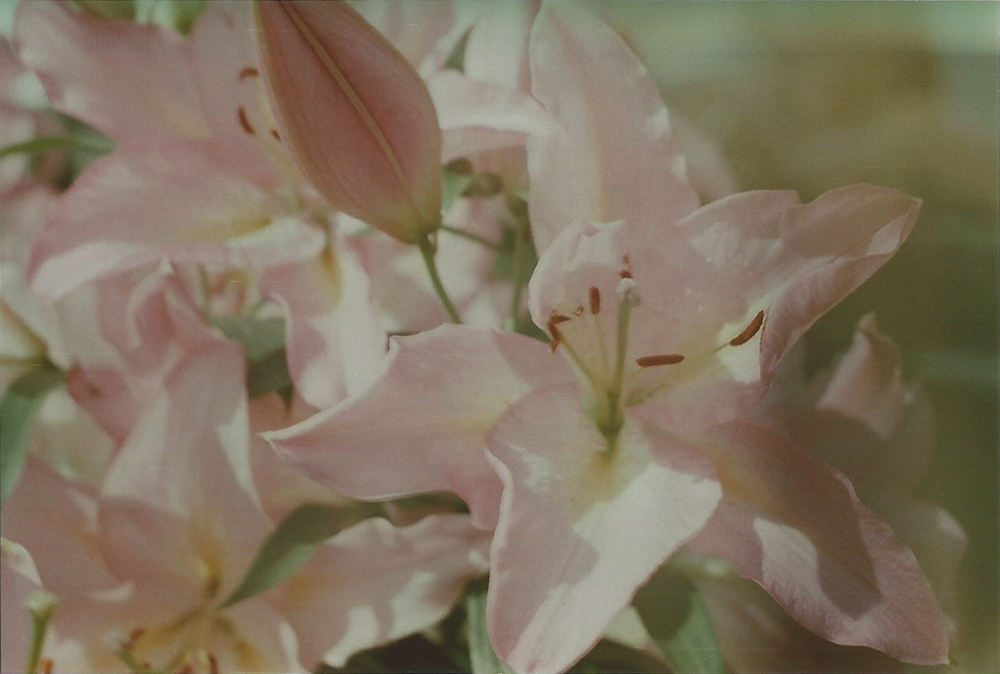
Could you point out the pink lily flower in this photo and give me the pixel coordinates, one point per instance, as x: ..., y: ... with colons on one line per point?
x: 861, y: 417
x: 864, y: 419
x: 634, y: 438
x: 142, y: 565
x: 208, y: 181
x: 196, y: 176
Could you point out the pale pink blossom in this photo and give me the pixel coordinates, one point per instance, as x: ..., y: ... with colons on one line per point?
x: 671, y: 322
x: 196, y: 174
x: 209, y: 185
x: 861, y: 417
x: 142, y: 564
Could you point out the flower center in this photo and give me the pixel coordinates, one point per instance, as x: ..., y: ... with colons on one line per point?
x: 190, y: 642
x: 613, y: 376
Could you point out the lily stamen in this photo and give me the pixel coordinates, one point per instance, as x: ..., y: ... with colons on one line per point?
x: 748, y: 332
x: 662, y: 359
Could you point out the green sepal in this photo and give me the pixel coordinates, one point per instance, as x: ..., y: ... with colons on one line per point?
x: 17, y: 412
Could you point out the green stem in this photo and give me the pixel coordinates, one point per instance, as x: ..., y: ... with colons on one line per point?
x: 615, y: 420
x: 40, y: 604
x: 624, y: 312
x: 44, y: 143
x: 427, y: 250
x: 482, y: 240
x: 518, y: 274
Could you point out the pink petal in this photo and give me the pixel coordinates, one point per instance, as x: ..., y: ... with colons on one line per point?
x: 581, y: 529
x: 124, y: 335
x: 374, y: 583
x: 477, y: 116
x: 936, y: 538
x: 707, y: 168
x: 56, y: 519
x: 843, y: 237
x: 282, y: 488
x: 263, y: 640
x: 179, y: 200
x: 796, y: 527
x: 226, y: 66
x: 179, y: 498
x: 442, y: 391
x: 424, y: 33
x: 497, y: 47
x: 334, y: 335
x: 357, y: 118
x: 864, y: 420
x: 610, y: 153
x: 130, y: 81
x: 758, y: 252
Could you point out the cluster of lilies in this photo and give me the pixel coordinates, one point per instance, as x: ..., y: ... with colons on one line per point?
x: 327, y: 324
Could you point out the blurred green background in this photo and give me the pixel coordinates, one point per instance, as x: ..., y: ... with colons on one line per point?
x: 816, y: 95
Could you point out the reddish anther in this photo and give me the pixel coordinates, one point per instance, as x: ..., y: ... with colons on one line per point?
x: 626, y: 272
x: 595, y: 300
x: 662, y: 359
x: 249, y: 71
x: 554, y: 331
x: 213, y: 664
x: 46, y: 665
x: 749, y: 331
x: 134, y: 636
x: 241, y: 114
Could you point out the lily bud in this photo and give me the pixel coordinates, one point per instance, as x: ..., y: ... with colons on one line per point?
x: 356, y: 117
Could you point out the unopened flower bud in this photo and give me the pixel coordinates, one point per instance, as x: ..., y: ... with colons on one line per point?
x: 355, y: 116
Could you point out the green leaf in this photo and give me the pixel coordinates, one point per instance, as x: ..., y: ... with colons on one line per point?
x: 288, y: 548
x: 17, y: 411
x: 675, y: 616
x: 484, y: 658
x: 108, y: 9
x: 180, y: 15
x: 263, y: 342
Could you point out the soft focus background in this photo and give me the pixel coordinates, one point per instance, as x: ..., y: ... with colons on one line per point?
x: 816, y: 95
